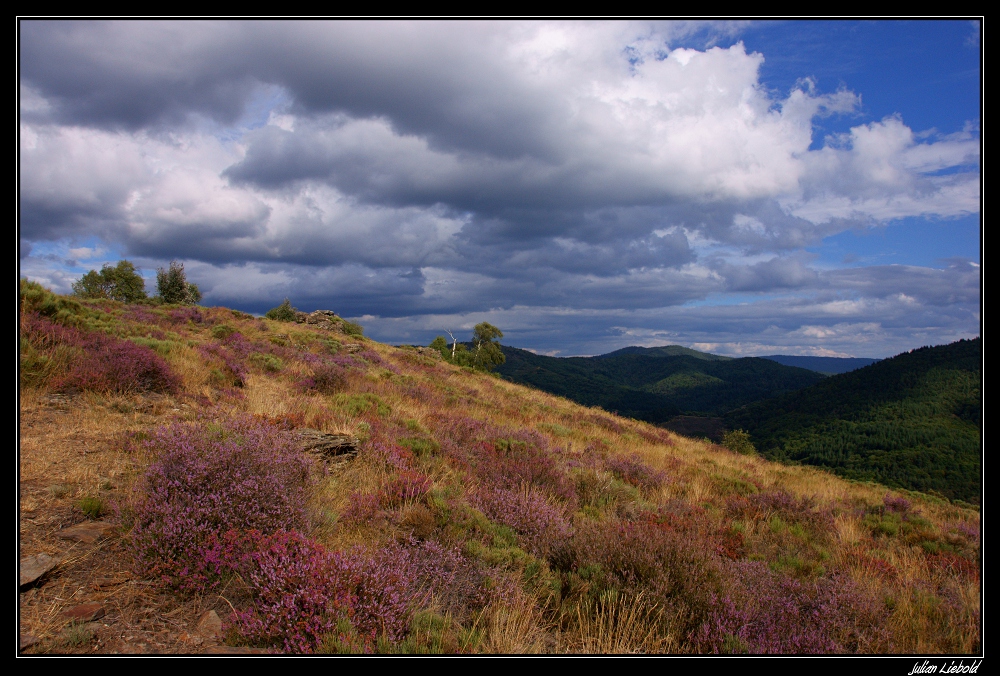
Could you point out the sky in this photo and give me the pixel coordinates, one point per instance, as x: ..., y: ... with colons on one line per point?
x: 743, y: 188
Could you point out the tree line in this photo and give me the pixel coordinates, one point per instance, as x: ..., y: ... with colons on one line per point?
x: 123, y: 282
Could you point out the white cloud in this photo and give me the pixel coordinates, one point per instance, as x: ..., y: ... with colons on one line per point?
x: 442, y: 168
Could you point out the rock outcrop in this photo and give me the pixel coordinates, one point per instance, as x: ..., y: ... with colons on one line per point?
x: 340, y: 446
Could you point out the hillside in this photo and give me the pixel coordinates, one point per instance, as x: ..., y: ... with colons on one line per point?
x: 196, y: 479
x: 656, y: 384
x: 912, y: 421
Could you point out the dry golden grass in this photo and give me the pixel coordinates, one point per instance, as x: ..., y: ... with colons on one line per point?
x: 620, y: 625
x: 76, y: 447
x: 515, y: 628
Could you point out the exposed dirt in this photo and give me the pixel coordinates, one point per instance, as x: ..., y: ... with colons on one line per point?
x: 71, y: 448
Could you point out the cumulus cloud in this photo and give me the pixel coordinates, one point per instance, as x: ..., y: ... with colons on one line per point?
x: 408, y: 169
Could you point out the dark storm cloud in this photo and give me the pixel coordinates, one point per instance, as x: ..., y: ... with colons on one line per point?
x: 433, y: 80
x: 136, y: 74
x: 575, y: 174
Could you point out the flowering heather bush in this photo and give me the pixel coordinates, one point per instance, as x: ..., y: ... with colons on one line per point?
x: 457, y: 432
x: 103, y: 363
x: 408, y: 486
x: 605, y: 422
x: 512, y: 462
x: 767, y: 613
x: 872, y: 566
x: 370, y: 356
x: 362, y: 507
x: 896, y: 505
x: 299, y: 589
x: 238, y: 344
x: 633, y: 470
x: 397, y: 580
x: 386, y: 452
x: 140, y: 315
x: 654, y: 435
x: 954, y: 565
x: 635, y: 557
x: 763, y: 505
x: 235, y: 372
x: 186, y: 314
x: 677, y: 516
x: 541, y: 528
x: 327, y: 378
x: 243, y: 474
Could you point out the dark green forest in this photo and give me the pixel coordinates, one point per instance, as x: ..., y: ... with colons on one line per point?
x: 656, y: 384
x: 912, y: 421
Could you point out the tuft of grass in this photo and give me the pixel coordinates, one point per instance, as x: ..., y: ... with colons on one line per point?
x: 93, y: 506
x: 76, y: 635
x: 59, y: 490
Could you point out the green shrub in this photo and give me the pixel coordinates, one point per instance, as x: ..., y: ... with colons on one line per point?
x: 283, y: 313
x: 352, y: 328
x: 356, y: 404
x: 161, y: 347
x: 267, y: 362
x: 34, y: 297
x: 222, y: 331
x: 738, y: 441
x: 420, y: 446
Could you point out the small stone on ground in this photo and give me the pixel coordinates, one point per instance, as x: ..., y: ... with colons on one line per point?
x: 87, y: 612
x: 88, y: 532
x: 209, y: 625
x: 34, y: 567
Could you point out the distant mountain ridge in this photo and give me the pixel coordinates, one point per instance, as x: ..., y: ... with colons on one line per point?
x: 665, y: 351
x: 827, y: 365
x: 656, y: 384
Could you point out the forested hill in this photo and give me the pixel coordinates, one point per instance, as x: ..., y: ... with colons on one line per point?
x: 826, y: 365
x: 912, y: 421
x: 665, y: 351
x: 655, y: 384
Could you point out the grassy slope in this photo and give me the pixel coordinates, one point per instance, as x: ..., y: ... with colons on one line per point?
x: 910, y: 421
x: 654, y: 384
x: 804, y: 526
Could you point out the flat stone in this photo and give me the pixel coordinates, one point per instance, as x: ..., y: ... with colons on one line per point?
x: 88, y: 532
x: 233, y: 650
x: 34, y: 567
x: 25, y: 641
x: 209, y: 624
x: 329, y: 445
x: 87, y: 612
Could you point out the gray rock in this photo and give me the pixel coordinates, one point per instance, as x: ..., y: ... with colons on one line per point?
x: 34, y: 567
x: 324, y: 319
x: 88, y: 532
x: 326, y: 445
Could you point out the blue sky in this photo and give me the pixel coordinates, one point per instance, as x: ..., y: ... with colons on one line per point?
x: 796, y: 187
